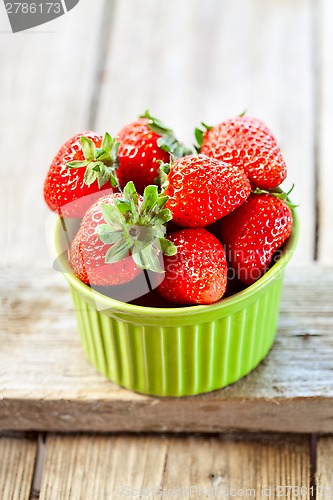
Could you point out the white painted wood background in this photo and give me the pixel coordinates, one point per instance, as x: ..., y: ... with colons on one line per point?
x: 186, y: 60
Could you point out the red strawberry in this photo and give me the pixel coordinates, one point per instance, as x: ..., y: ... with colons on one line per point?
x: 254, y: 232
x: 121, y: 234
x: 198, y: 273
x: 201, y: 190
x: 248, y: 143
x: 143, y: 144
x: 82, y: 168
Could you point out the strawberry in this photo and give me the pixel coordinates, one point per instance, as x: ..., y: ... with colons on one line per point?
x: 245, y: 142
x: 201, y: 190
x: 83, y: 167
x: 198, y: 273
x: 121, y: 234
x: 143, y: 144
x: 254, y: 232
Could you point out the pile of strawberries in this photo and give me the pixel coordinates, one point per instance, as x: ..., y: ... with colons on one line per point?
x: 150, y: 205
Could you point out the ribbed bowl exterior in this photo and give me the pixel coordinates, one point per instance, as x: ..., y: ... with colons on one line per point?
x: 178, y: 351
x: 179, y: 360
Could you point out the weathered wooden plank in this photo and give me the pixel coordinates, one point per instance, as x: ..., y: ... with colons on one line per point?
x: 325, y: 106
x: 51, y: 386
x: 47, y: 79
x: 249, y: 467
x: 17, y: 460
x: 181, y: 467
x: 324, y: 477
x: 196, y: 69
x: 99, y: 466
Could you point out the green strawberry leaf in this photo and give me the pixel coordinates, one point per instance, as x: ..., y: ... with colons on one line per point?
x: 107, y: 235
x: 76, y: 164
x: 159, y: 231
x: 167, y: 143
x: 123, y: 206
x: 167, y: 140
x: 160, y: 203
x: 88, y: 147
x: 199, y: 136
x: 117, y: 252
x: 138, y: 258
x: 155, y: 124
x: 150, y: 198
x: 162, y: 217
x: 114, y: 182
x: 167, y: 247
x: 112, y: 216
x: 104, y: 176
x: 281, y: 195
x: 151, y: 259
x: 146, y: 258
x: 90, y: 174
x: 108, y: 143
x: 131, y: 195
x: 98, y: 153
x: 180, y: 150
x: 162, y: 175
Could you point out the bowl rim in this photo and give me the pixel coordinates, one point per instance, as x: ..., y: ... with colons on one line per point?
x: 124, y: 307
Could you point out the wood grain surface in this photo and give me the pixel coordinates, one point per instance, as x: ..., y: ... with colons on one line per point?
x: 17, y: 461
x: 49, y: 385
x: 324, y: 475
x: 181, y: 467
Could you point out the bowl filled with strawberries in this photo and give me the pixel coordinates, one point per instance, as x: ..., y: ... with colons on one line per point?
x: 175, y: 259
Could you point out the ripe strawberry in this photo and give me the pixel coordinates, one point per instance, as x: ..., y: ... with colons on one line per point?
x: 201, y: 190
x: 254, y: 232
x: 198, y: 273
x: 143, y: 144
x: 121, y: 234
x: 245, y: 142
x: 82, y: 168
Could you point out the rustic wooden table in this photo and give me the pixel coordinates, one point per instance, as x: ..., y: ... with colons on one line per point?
x: 269, y: 435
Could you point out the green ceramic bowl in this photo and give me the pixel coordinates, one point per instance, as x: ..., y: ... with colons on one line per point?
x: 177, y: 351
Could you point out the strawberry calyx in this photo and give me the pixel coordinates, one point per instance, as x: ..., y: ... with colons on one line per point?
x: 137, y: 226
x: 281, y: 195
x: 162, y: 174
x: 199, y: 135
x: 100, y: 163
x: 167, y: 140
